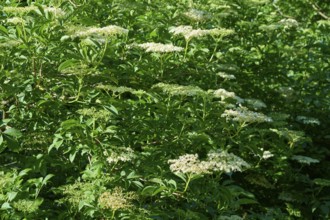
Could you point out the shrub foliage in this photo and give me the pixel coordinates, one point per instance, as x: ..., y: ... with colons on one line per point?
x: 177, y: 109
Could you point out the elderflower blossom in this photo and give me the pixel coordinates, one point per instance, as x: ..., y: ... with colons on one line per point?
x: 223, y: 94
x: 219, y: 160
x: 16, y: 20
x: 174, y: 89
x: 308, y: 120
x: 19, y: 10
x: 197, y: 15
x: 56, y: 11
x: 226, y: 76
x: 110, y: 30
x: 188, y: 32
x: 242, y: 114
x: 216, y: 161
x: 10, y: 43
x: 288, y: 23
x: 122, y: 154
x: 267, y: 154
x: 160, y: 48
x: 27, y: 9
x: 188, y: 163
x: 304, y: 159
x: 116, y: 199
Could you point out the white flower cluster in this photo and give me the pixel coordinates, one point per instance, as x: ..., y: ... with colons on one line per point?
x: 123, y: 154
x: 289, y: 23
x: 189, y: 163
x: 242, y: 114
x: 27, y: 9
x: 188, y: 32
x: 10, y: 43
x: 19, y: 10
x: 16, y: 20
x: 267, y: 154
x: 107, y: 31
x: 174, y: 89
x: 223, y: 94
x: 159, y: 48
x: 308, y: 120
x: 197, y: 15
x: 304, y: 159
x: 226, y: 76
x: 216, y: 161
x: 56, y: 11
x: 219, y: 160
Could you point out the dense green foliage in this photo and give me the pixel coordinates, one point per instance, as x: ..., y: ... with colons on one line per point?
x: 230, y: 123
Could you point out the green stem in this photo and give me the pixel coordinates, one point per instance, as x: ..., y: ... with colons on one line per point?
x: 186, y: 49
x: 187, y: 184
x: 215, y: 49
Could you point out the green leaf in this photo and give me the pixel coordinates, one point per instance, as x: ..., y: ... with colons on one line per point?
x: 71, y: 123
x: 68, y: 64
x: 5, y: 205
x: 13, y: 133
x: 181, y: 176
x: 157, y: 180
x: 322, y: 182
x: 247, y: 201
x: 72, y: 156
x: 149, y: 190
x: 3, y: 30
x: 11, y: 196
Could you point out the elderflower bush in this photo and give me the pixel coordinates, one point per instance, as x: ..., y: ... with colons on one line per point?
x: 164, y: 109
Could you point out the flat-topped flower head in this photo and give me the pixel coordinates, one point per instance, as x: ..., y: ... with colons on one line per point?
x: 16, y: 21
x: 177, y: 90
x: 188, y: 32
x: 220, y: 160
x: 159, y: 47
x: 188, y: 163
x: 111, y: 30
x: 223, y: 94
x: 122, y: 154
x: 197, y: 15
x: 116, y: 199
x: 19, y: 10
x: 226, y: 76
x: 24, y: 10
x: 242, y: 114
x: 304, y: 159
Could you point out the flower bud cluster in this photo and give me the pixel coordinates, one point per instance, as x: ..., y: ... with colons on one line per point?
x: 116, y: 199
